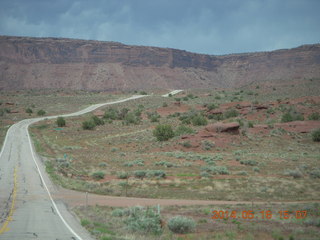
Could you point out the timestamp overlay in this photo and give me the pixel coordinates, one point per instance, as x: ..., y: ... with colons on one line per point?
x: 263, y: 215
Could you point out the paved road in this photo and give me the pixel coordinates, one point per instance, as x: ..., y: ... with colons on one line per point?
x: 27, y: 210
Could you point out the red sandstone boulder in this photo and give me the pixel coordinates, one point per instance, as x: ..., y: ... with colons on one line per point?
x: 223, y: 127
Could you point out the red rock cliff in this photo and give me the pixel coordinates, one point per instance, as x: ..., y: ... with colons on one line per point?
x: 27, y: 63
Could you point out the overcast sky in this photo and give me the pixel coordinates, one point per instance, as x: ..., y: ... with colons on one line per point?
x: 203, y: 26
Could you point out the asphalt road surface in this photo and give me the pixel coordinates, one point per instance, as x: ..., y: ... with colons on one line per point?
x: 27, y: 210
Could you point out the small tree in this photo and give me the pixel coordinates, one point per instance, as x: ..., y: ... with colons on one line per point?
x: 61, y: 122
x: 163, y: 132
x: 41, y: 112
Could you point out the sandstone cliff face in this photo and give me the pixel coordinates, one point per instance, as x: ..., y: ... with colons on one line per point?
x: 27, y: 63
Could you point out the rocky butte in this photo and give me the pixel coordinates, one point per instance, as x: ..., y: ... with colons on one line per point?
x: 55, y: 63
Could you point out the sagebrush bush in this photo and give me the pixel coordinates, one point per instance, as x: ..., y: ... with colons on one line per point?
x: 296, y: 173
x: 316, y: 135
x: 156, y: 173
x: 123, y: 175
x: 98, y: 175
x: 249, y: 162
x: 315, y: 173
x: 180, y: 224
x: 163, y: 132
x: 222, y: 170
x: 140, y: 174
x: 144, y: 221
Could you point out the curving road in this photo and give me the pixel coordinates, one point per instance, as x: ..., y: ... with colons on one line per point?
x: 27, y: 210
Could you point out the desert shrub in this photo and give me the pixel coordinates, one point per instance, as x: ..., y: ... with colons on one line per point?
x: 143, y: 93
x: 207, y: 145
x: 103, y: 164
x: 29, y: 110
x: 249, y: 162
x: 312, y: 222
x: 256, y: 169
x: 97, y: 121
x: 217, y: 117
x: 41, y: 112
x: 164, y: 163
x: 211, y: 106
x: 163, y: 132
x: 165, y: 104
x: 183, y: 130
x: 117, y: 212
x: 287, y: 117
x: 153, y: 116
x: 131, y: 118
x: 222, y: 170
x: 205, y: 174
x: 123, y: 175
x: 111, y: 114
x: 231, y: 113
x: 186, y: 144
x: 144, y: 221
x: 98, y: 175
x: 242, y: 173
x: 156, y: 173
x: 61, y: 122
x: 88, y: 125
x: 137, y: 162
x: 85, y: 222
x: 316, y: 135
x: 140, y: 174
x: 180, y: 224
x: 250, y: 124
x: 199, y: 120
x: 296, y: 173
x: 314, y: 116
x: 292, y: 115
x: 315, y: 173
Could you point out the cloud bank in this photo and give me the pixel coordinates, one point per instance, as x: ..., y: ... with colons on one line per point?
x: 204, y: 26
